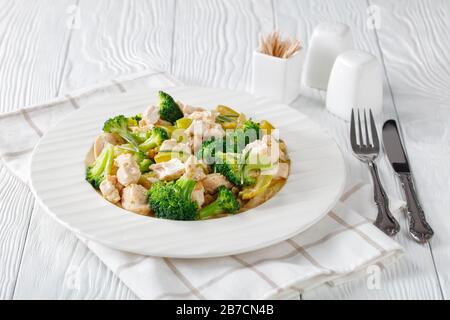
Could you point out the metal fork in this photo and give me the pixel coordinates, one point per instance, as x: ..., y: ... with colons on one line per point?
x: 367, y: 151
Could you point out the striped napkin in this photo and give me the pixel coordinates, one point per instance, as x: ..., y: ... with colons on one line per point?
x: 342, y: 246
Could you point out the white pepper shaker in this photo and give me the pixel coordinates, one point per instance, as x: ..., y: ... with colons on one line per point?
x: 356, y: 81
x: 328, y: 40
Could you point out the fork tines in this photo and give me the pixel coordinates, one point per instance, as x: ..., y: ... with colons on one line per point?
x: 361, y: 136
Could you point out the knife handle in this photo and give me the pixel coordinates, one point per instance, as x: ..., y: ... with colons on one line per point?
x: 385, y: 221
x: 419, y: 228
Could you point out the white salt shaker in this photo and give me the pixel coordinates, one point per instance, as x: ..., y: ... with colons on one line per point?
x: 328, y: 40
x: 355, y: 82
x: 277, y: 78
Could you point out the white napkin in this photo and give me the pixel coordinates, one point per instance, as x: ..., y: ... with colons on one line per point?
x: 343, y: 245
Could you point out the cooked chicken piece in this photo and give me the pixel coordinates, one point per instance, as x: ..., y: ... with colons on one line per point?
x: 172, y: 145
x: 200, y: 131
x: 267, y: 139
x: 128, y: 171
x: 266, y: 149
x: 214, y: 130
x: 183, y: 147
x: 119, y: 186
x: 270, y: 140
x: 139, y: 129
x: 205, y: 116
x: 143, y: 124
x: 104, y: 138
x: 168, y: 144
x: 283, y: 171
x: 277, y: 148
x: 134, y: 198
x: 208, y: 199
x: 187, y: 109
x: 194, y: 168
x: 195, y: 142
x: 278, y: 171
x: 170, y: 170
x: 147, y: 179
x: 256, y: 150
x: 163, y: 123
x: 109, y: 189
x: 255, y: 146
x: 123, y: 159
x: 283, y: 152
x: 215, y: 180
x: 195, y: 134
x: 196, y: 128
x: 198, y: 194
x: 151, y: 115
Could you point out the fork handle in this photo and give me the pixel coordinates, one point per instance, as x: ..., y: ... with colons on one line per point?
x: 385, y: 221
x: 419, y: 229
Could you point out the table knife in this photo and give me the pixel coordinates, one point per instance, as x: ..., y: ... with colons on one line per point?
x: 419, y: 229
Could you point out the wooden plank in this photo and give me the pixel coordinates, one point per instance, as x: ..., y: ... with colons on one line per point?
x: 414, y: 275
x: 417, y: 62
x: 32, y: 56
x: 16, y: 204
x: 59, y: 266
x: 32, y: 50
x: 214, y: 41
x: 114, y: 39
x: 118, y: 38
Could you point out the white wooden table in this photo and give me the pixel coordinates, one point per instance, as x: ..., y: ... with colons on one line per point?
x: 44, y: 54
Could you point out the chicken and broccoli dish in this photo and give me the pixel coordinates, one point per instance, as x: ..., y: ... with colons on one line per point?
x: 179, y: 162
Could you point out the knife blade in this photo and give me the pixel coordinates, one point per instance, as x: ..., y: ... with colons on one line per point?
x: 419, y: 228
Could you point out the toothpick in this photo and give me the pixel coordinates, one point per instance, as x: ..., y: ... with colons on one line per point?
x: 274, y: 45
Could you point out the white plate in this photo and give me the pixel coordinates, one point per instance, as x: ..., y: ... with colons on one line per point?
x: 315, y: 184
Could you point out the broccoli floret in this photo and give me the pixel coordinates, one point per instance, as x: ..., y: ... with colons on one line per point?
x: 141, y: 136
x: 225, y: 203
x: 137, y: 117
x: 236, y: 141
x: 168, y: 108
x: 141, y: 158
x: 144, y: 165
x: 232, y: 167
x: 208, y: 150
x: 143, y: 161
x: 172, y: 200
x: 236, y: 168
x: 252, y: 130
x: 101, y: 167
x: 134, y: 121
x: 233, y: 142
x: 157, y: 136
x: 119, y: 125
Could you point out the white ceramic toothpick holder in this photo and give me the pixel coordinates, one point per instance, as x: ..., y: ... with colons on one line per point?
x: 328, y: 40
x: 355, y: 82
x: 277, y: 78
